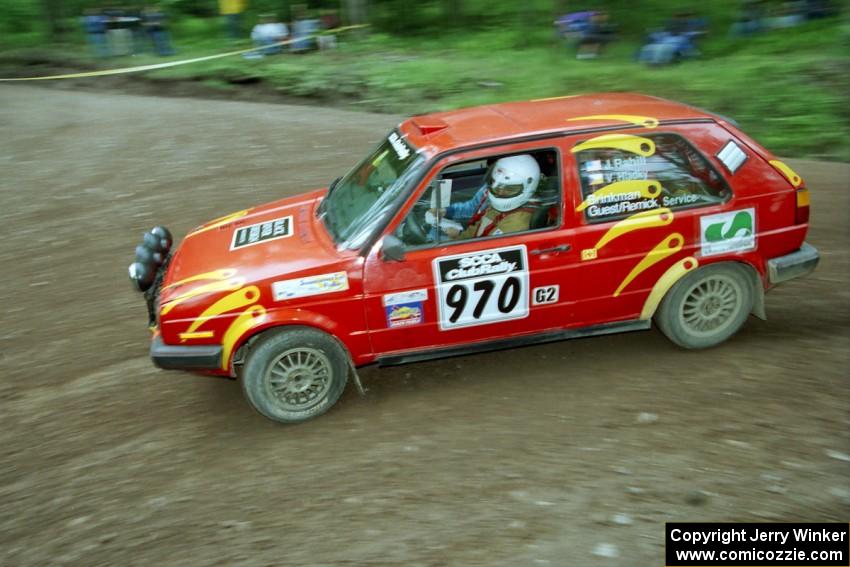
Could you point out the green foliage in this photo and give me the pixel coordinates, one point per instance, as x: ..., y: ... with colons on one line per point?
x: 787, y: 88
x: 20, y: 17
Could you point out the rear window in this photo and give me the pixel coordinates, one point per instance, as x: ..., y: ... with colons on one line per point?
x: 624, y: 175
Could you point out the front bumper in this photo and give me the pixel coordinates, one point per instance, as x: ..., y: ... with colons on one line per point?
x: 797, y: 264
x: 198, y: 357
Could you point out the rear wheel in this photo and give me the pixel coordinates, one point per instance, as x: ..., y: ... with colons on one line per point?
x: 295, y: 374
x: 707, y: 306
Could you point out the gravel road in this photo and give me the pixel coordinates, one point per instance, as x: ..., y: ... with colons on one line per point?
x: 572, y: 453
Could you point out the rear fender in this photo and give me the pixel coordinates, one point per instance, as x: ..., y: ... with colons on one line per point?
x: 686, y: 265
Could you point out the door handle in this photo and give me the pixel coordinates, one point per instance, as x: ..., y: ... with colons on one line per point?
x: 556, y: 249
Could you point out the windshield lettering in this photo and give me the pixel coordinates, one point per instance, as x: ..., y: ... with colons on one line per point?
x: 400, y: 147
x: 362, y: 199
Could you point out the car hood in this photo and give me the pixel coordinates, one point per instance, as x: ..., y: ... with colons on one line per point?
x: 252, y: 246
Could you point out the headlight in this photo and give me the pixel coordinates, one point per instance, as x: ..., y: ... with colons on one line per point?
x: 150, y: 255
x: 142, y: 275
x: 144, y: 255
x: 160, y: 239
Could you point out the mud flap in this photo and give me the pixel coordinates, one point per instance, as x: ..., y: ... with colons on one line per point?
x: 353, y: 372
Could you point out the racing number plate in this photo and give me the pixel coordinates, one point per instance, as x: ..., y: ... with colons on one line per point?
x: 482, y: 287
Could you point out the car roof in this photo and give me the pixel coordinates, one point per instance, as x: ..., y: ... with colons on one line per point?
x: 439, y: 132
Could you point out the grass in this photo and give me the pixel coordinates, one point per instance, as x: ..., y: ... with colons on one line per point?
x: 787, y: 88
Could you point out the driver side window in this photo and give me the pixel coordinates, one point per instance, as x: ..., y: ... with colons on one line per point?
x: 486, y: 197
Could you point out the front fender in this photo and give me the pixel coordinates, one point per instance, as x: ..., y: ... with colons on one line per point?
x: 259, y: 320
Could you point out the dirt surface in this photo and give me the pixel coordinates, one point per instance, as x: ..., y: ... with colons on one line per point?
x: 563, y: 454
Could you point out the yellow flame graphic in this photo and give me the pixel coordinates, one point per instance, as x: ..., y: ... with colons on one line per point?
x: 673, y: 274
x: 200, y: 335
x: 252, y: 316
x: 647, y: 190
x: 789, y: 173
x: 225, y: 274
x: 645, y: 121
x: 236, y: 300
x: 663, y: 249
x: 219, y: 222
x: 227, y: 285
x: 643, y: 219
x: 633, y: 144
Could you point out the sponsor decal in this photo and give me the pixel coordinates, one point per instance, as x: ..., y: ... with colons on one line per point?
x: 405, y: 297
x: 262, y: 232
x: 589, y: 254
x: 732, y: 156
x: 734, y: 231
x: 679, y: 200
x: 628, y: 204
x: 545, y: 294
x: 606, y: 171
x: 405, y: 308
x: 401, y: 149
x: 310, y: 285
x: 479, y: 288
x: 404, y: 314
x: 622, y: 191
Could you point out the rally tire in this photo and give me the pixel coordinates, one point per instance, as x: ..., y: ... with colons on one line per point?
x: 707, y: 306
x: 294, y: 374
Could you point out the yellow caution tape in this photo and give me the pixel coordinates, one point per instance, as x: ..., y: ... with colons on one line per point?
x: 154, y: 66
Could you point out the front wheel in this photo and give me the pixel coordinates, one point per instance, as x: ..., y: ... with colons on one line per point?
x: 295, y: 374
x: 707, y: 306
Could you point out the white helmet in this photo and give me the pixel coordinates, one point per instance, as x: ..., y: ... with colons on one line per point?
x: 512, y: 181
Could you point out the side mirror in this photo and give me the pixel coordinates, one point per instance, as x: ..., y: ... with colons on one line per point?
x: 392, y: 248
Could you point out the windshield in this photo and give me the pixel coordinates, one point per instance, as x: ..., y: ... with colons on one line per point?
x: 360, y: 201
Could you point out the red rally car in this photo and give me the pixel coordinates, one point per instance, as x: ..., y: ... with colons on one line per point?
x: 479, y: 229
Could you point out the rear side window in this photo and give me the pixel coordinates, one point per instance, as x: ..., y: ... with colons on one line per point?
x: 622, y: 175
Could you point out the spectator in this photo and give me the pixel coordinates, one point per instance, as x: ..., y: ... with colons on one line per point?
x: 675, y: 42
x: 329, y: 21
x: 153, y: 22
x: 232, y: 12
x: 94, y: 24
x: 571, y: 26
x: 134, y: 23
x: 787, y: 15
x: 595, y: 36
x: 815, y: 9
x: 304, y: 31
x: 267, y: 35
x: 750, y: 19
x: 119, y: 36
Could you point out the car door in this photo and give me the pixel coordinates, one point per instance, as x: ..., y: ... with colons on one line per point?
x: 637, y: 202
x: 454, y: 293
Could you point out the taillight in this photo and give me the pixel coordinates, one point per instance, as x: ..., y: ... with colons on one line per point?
x: 802, y: 214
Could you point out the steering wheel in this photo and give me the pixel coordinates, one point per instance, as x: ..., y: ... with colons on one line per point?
x: 414, y: 228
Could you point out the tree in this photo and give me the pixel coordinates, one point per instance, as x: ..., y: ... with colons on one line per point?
x: 53, y: 16
x: 356, y: 11
x: 453, y: 13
